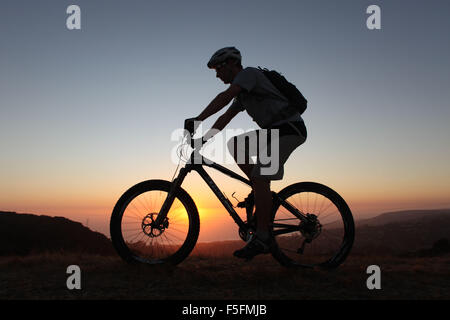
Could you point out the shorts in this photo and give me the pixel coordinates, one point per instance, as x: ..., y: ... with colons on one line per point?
x: 268, y: 149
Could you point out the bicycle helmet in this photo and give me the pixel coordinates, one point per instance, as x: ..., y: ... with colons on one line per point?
x: 222, y: 55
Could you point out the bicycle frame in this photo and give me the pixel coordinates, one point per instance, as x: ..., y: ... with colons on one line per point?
x: 196, y: 163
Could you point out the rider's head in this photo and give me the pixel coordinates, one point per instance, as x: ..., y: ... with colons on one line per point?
x: 227, y: 63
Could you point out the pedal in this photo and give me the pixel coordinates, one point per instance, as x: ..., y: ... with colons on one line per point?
x: 240, y: 204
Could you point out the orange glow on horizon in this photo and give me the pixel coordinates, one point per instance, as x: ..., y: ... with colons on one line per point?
x: 93, y: 209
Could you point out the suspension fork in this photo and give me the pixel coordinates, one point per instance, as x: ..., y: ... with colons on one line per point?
x: 175, y: 186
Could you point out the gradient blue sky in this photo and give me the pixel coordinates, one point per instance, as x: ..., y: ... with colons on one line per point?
x: 87, y: 113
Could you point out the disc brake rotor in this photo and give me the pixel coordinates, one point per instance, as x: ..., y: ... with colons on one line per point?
x: 150, y: 228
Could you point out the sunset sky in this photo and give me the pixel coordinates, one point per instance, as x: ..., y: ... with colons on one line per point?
x: 85, y: 114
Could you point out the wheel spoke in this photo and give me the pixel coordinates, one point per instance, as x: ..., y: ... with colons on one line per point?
x: 317, y: 236
x: 153, y: 244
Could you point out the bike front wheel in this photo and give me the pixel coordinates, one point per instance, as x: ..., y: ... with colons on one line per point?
x: 135, y: 236
x: 325, y: 235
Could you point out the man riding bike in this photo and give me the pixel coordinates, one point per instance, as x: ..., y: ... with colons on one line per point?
x: 253, y: 92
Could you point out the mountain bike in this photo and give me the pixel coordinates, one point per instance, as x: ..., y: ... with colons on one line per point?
x: 157, y: 222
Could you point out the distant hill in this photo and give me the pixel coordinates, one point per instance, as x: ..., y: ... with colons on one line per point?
x: 405, y: 216
x: 422, y: 232
x: 413, y: 232
x: 22, y: 234
x: 402, y: 231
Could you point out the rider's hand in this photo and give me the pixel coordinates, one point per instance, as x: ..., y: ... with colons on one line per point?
x: 191, y: 125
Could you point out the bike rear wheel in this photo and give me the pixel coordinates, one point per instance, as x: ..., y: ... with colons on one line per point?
x: 135, y: 236
x: 324, y: 239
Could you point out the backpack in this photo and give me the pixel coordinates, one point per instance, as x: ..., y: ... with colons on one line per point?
x: 287, y: 89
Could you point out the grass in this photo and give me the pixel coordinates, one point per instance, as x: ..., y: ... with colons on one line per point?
x: 205, y: 275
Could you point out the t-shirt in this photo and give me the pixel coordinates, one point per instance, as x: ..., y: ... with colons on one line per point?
x: 261, y: 99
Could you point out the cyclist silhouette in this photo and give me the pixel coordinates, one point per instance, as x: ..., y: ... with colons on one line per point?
x: 281, y: 133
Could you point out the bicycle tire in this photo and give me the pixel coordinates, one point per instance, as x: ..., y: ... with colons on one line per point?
x: 129, y: 251
x: 297, y: 259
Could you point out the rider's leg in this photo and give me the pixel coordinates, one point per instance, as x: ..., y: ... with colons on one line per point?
x: 263, y: 201
x: 263, y: 206
x: 246, y: 168
x: 260, y: 186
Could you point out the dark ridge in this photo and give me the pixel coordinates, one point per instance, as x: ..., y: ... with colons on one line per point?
x: 22, y: 234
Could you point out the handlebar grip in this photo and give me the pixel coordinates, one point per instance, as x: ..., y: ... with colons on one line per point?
x: 189, y: 125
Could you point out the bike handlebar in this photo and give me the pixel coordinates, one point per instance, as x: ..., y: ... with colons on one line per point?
x: 190, y: 125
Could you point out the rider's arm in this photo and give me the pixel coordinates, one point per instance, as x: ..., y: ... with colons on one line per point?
x: 221, y: 122
x: 219, y: 102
